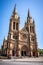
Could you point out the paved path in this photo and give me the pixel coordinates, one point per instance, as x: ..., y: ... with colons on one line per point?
x: 20, y: 63
x: 30, y: 59
x: 37, y: 59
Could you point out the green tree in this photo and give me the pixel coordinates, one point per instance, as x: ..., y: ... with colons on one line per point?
x: 40, y: 51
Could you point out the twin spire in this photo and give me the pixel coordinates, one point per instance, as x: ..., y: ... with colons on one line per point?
x: 16, y: 11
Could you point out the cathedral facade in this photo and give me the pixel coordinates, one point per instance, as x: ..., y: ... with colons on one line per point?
x: 20, y: 42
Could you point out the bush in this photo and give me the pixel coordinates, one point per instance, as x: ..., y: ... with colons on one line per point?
x: 3, y: 57
x: 40, y: 51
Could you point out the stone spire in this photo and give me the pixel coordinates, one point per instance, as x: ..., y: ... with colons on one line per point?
x: 15, y: 8
x: 5, y: 38
x: 28, y: 13
x: 33, y: 21
x: 28, y: 17
x: 14, y: 12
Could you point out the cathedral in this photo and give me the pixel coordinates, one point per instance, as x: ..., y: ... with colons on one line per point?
x: 20, y: 43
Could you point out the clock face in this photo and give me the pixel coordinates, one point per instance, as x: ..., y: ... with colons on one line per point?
x: 16, y: 16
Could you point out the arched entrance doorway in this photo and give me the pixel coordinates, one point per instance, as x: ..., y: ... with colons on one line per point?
x: 13, y: 53
x: 24, y: 51
x: 33, y: 53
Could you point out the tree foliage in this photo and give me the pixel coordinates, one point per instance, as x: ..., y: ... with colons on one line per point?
x: 40, y: 51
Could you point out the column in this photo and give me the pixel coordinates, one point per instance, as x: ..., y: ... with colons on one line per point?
x: 31, y: 54
x: 19, y: 53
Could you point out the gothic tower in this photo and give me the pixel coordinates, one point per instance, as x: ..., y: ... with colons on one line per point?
x: 13, y: 34
x: 30, y: 27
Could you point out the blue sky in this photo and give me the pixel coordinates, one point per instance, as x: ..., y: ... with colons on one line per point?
x: 36, y: 11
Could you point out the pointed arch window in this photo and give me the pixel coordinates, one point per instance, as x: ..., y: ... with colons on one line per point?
x: 27, y: 29
x: 16, y: 26
x: 13, y: 25
x: 32, y: 29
